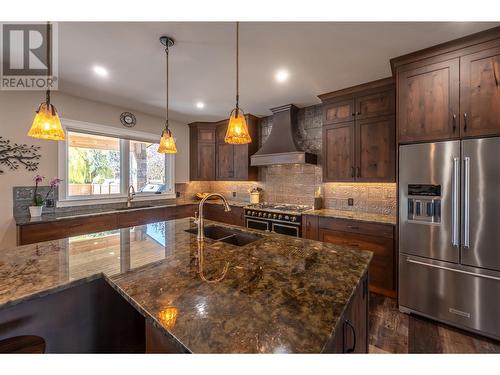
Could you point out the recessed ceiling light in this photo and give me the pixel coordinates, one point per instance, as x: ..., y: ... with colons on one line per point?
x: 281, y: 75
x: 200, y: 105
x: 100, y: 71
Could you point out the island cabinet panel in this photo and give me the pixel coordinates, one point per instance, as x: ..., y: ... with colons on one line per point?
x: 215, y: 212
x: 157, y: 342
x: 361, y: 145
x: 87, y: 318
x: 480, y: 93
x: 351, y: 332
x: 378, y: 238
x: 428, y: 98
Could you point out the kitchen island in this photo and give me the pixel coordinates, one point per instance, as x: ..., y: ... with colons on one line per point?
x: 278, y: 294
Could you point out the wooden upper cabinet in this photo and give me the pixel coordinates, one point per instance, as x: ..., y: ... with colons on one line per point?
x: 480, y: 93
x: 377, y: 104
x: 363, y: 148
x: 211, y: 158
x: 451, y: 90
x: 376, y: 149
x: 338, y: 152
x: 428, y: 98
x: 339, y: 111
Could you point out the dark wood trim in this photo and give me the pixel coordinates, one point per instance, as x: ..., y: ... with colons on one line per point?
x: 447, y: 47
x: 365, y: 88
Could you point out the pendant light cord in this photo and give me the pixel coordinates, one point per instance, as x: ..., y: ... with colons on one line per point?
x: 49, y: 62
x: 237, y: 67
x: 166, y: 54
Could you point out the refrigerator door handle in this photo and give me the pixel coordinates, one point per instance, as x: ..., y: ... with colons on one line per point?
x: 466, y: 201
x: 454, y: 214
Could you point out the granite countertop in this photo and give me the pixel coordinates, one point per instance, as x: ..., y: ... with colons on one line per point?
x: 353, y: 215
x: 277, y: 294
x: 83, y: 211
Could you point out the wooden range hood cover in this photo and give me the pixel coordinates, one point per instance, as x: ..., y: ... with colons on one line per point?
x: 280, y: 146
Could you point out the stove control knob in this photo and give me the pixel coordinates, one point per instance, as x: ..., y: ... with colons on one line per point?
x: 260, y: 213
x: 275, y: 216
x: 294, y: 218
x: 280, y: 217
x: 253, y: 213
x: 264, y: 214
x: 287, y: 217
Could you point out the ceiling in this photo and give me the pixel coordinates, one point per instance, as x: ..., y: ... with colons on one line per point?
x: 320, y: 57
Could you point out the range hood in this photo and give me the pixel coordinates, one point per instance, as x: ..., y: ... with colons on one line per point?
x: 281, y: 146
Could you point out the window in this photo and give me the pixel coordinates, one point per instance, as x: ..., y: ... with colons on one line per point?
x: 98, y: 162
x: 93, y: 165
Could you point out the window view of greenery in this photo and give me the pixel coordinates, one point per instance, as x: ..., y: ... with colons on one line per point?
x: 93, y: 164
x: 147, y: 167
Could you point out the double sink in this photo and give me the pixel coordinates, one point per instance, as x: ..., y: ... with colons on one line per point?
x: 227, y: 235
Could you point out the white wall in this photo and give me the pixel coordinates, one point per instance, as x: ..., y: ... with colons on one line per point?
x: 17, y: 110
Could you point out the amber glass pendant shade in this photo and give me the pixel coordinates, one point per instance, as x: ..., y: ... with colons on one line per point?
x: 167, y: 143
x: 46, y: 124
x: 237, y: 129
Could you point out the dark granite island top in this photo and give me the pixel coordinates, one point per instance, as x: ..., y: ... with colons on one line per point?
x: 278, y: 294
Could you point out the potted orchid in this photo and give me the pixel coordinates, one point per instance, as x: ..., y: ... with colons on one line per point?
x: 38, y: 199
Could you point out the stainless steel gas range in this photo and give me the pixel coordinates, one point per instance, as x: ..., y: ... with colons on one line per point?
x: 278, y: 218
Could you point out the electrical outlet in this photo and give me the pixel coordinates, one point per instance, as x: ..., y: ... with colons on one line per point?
x: 350, y: 201
x: 234, y: 194
x: 178, y: 194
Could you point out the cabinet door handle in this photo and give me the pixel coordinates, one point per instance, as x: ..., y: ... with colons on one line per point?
x: 358, y: 172
x: 454, y: 123
x: 353, y: 348
x: 353, y: 114
x: 465, y: 121
x: 359, y: 113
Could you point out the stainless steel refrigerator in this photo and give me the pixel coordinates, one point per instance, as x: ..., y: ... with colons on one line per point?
x: 449, y: 233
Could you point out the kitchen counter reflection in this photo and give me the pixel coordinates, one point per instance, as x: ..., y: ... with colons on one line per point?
x: 277, y: 294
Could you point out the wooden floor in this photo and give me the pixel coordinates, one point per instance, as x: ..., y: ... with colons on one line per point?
x: 394, y: 332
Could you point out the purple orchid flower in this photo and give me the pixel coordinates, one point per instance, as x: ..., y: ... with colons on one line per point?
x: 55, y: 182
x: 38, y: 178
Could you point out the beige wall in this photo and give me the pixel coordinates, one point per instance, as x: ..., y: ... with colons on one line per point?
x: 17, y: 110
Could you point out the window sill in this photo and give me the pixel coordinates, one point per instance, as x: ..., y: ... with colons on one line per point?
x: 73, y: 202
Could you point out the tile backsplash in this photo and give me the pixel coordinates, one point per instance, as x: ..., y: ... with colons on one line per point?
x: 296, y: 183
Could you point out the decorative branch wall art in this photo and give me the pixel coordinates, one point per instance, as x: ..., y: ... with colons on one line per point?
x: 15, y: 155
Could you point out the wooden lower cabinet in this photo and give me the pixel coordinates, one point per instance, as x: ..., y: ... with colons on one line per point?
x: 351, y: 332
x: 216, y: 212
x: 378, y: 238
x: 38, y: 232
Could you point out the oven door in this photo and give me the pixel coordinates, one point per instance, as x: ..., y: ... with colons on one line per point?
x: 257, y: 224
x: 290, y: 230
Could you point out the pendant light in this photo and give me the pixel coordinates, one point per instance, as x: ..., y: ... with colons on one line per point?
x: 46, y: 124
x: 237, y: 130
x: 167, y: 141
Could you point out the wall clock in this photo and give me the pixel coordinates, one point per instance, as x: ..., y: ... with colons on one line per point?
x: 128, y: 119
